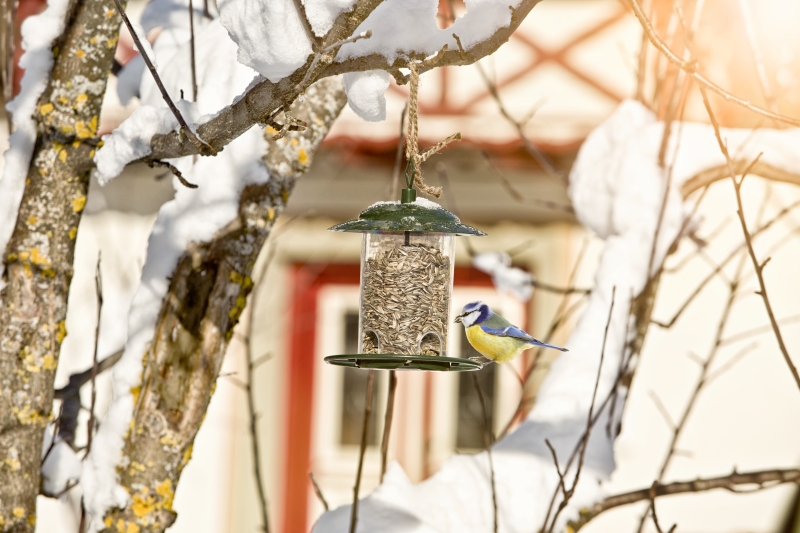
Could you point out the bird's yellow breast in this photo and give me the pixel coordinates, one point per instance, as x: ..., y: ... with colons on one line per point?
x: 500, y: 349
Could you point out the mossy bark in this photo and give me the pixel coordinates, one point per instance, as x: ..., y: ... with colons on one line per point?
x: 39, y: 255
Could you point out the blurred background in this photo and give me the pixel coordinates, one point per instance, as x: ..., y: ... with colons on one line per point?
x: 523, y: 113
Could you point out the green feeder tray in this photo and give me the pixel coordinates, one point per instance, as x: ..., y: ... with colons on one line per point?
x: 405, y: 362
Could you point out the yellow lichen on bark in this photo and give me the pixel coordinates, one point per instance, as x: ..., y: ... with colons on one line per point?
x: 164, y: 489
x: 78, y: 203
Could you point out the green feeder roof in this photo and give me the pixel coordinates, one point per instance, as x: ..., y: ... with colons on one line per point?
x: 419, y: 216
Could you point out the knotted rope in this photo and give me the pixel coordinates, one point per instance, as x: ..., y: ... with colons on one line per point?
x: 415, y: 159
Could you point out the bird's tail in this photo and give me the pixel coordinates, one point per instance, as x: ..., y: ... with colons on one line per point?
x: 534, y: 342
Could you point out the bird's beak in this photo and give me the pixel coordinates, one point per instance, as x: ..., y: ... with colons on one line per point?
x: 458, y: 319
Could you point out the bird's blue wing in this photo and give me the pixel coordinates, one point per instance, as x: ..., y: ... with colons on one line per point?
x: 516, y: 333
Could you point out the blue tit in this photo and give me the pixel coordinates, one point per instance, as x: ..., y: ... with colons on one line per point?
x: 493, y: 336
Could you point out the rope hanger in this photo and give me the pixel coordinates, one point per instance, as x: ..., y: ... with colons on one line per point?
x: 415, y: 159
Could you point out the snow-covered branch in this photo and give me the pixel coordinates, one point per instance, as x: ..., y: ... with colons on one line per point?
x: 285, y: 76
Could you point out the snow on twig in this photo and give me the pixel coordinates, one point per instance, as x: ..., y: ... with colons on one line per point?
x: 203, y: 147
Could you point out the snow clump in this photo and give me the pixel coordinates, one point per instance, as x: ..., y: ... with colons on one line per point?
x: 366, y: 93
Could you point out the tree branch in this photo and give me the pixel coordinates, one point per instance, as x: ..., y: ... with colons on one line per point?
x: 265, y: 97
x: 765, y: 170
x: 689, y: 68
x: 734, y: 482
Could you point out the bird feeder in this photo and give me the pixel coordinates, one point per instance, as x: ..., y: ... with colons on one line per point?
x: 407, y: 265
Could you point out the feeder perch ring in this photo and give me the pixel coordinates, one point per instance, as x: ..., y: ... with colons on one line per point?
x: 436, y: 363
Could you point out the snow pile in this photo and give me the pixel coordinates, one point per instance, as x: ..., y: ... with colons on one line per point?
x: 38, y: 34
x: 170, y: 14
x: 366, y: 93
x: 321, y: 14
x: 61, y: 467
x: 272, y: 40
x: 270, y: 35
x: 420, y: 201
x: 400, y: 27
x: 507, y: 279
x: 195, y: 215
x: 131, y: 140
x: 616, y: 187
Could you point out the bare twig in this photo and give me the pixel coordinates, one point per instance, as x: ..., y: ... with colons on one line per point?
x: 641, y: 69
x: 734, y: 482
x: 780, y: 215
x: 531, y: 148
x: 731, y: 362
x: 152, y: 163
x: 309, y: 77
x: 55, y: 440
x: 488, y: 440
x: 387, y: 421
x: 702, y: 382
x: 758, y: 58
x: 290, y: 123
x: 192, y: 52
x: 318, y: 491
x: 559, y: 290
x: 362, y: 451
x: 201, y: 146
x: 71, y: 399
x: 689, y: 68
x: 717, y: 173
x: 247, y: 386
x: 519, y: 197
x: 301, y: 13
x: 66, y: 489
x: 253, y: 416
x: 561, y: 482
x: 76, y: 381
x: 590, y: 421
x: 652, y: 495
x: 622, y: 371
x: 758, y: 266
x: 662, y: 409
x: 561, y: 314
x: 759, y: 330
x: 98, y: 281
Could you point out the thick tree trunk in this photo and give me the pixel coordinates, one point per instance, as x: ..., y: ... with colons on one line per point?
x: 207, y: 294
x: 39, y: 255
